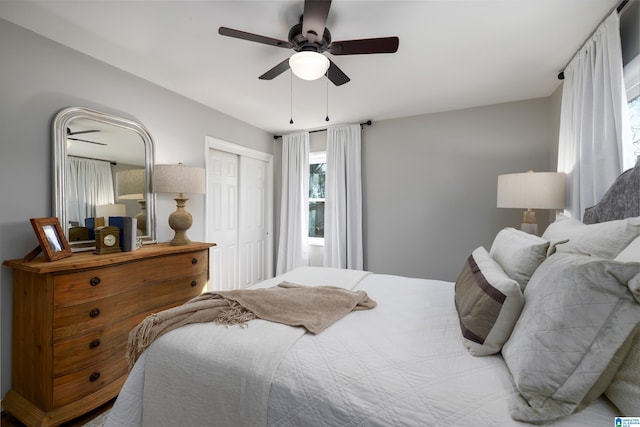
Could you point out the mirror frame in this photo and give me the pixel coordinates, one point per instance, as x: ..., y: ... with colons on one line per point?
x: 60, y: 125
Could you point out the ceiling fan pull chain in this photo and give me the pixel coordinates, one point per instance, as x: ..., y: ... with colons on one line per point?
x: 326, y: 119
x: 291, y: 99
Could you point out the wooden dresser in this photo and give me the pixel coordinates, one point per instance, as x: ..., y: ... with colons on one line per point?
x: 72, y: 317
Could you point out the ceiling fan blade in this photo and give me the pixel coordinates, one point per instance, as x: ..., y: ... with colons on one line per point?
x: 84, y: 140
x: 336, y: 75
x: 81, y: 131
x: 276, y: 71
x: 230, y: 32
x: 365, y: 46
x: 314, y: 19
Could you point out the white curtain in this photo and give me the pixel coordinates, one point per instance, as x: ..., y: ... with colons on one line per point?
x: 343, y: 199
x: 594, y: 128
x: 89, y: 183
x: 294, y: 206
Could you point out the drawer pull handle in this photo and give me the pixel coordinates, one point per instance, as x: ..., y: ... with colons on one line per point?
x: 95, y: 312
x: 194, y: 284
x: 94, y: 377
x: 194, y: 260
x: 94, y: 344
x: 95, y: 281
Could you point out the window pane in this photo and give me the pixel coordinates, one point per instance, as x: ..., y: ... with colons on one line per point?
x: 316, y: 219
x: 316, y: 180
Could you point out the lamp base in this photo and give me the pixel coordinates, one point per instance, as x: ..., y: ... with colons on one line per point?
x: 529, y: 224
x: 180, y: 221
x: 142, y: 218
x: 527, y: 227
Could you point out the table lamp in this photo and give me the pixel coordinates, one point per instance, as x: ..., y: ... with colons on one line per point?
x: 531, y: 190
x: 179, y: 179
x: 131, y: 185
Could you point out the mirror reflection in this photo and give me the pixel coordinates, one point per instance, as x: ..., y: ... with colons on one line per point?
x: 103, y: 167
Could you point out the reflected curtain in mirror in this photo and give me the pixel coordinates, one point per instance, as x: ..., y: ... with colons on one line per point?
x: 89, y: 184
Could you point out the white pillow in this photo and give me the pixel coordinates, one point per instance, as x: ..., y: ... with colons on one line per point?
x: 518, y: 253
x: 603, y: 240
x: 631, y: 253
x: 570, y: 338
x: 488, y: 304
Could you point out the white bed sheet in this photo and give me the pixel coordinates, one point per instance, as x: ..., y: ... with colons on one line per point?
x: 400, y: 364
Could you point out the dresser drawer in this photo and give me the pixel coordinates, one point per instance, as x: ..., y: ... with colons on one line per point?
x: 96, y: 347
x: 98, y: 283
x: 91, y: 316
x: 86, y: 381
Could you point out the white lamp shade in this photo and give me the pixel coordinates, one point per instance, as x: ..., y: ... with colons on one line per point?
x: 532, y: 190
x: 178, y: 179
x: 130, y: 184
x: 309, y: 65
x: 106, y: 211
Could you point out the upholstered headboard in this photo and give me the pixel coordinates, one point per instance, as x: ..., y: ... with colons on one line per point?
x: 621, y: 201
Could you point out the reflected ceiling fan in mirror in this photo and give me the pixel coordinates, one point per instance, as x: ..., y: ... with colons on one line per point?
x: 71, y: 136
x: 310, y: 38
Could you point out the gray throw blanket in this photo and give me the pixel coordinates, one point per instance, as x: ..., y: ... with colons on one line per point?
x: 315, y: 308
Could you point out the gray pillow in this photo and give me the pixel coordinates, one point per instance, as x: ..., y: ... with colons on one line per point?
x: 518, y: 253
x: 566, y: 345
x: 488, y: 304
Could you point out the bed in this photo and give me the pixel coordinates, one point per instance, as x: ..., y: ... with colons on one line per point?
x: 542, y: 330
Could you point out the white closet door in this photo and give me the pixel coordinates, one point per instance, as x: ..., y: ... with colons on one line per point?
x: 222, y: 202
x: 253, y: 231
x: 239, y: 215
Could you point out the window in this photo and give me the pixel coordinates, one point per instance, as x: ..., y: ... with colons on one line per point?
x: 317, y: 174
x: 632, y: 84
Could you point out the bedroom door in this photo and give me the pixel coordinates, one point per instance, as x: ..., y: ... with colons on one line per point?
x: 238, y: 214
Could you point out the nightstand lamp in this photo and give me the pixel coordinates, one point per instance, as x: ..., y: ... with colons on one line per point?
x: 131, y: 185
x: 179, y: 179
x: 531, y: 190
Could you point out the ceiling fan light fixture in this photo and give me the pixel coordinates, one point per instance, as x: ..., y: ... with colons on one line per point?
x: 309, y: 65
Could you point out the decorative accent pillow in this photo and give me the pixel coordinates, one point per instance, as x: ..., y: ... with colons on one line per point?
x: 569, y: 339
x: 624, y: 390
x: 488, y: 304
x: 518, y: 253
x: 604, y: 240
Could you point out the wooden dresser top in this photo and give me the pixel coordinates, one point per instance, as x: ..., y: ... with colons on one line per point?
x: 81, y: 260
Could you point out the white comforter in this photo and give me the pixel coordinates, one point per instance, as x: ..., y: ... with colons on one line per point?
x: 400, y: 364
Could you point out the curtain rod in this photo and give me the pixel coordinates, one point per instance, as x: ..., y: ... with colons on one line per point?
x: 368, y: 123
x: 91, y: 158
x: 618, y: 8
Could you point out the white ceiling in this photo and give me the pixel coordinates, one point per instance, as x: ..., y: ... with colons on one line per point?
x: 453, y: 54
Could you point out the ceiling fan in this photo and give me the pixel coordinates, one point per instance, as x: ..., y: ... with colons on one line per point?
x: 310, y: 38
x: 70, y: 135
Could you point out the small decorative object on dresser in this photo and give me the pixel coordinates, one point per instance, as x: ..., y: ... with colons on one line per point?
x: 107, y: 240
x: 51, y: 238
x: 71, y: 322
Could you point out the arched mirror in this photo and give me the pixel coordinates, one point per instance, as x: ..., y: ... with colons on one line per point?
x: 102, y: 166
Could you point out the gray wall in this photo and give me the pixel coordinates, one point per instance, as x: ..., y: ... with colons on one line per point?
x: 38, y: 78
x: 430, y: 184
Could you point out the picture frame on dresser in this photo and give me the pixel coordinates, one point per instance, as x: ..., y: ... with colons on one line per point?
x: 53, y: 242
